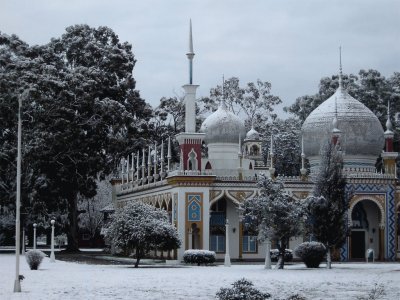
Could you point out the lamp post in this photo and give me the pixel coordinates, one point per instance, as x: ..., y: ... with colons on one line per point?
x: 17, y: 284
x: 227, y: 262
x: 52, y: 257
x: 23, y: 240
x: 34, y: 236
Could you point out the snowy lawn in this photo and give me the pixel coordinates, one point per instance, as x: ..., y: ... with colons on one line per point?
x: 68, y: 280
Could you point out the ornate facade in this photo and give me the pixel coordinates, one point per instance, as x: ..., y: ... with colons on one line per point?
x: 202, y: 194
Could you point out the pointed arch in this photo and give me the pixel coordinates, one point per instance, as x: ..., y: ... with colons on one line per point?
x: 208, y: 166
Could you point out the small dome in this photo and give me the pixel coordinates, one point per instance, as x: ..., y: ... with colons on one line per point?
x: 361, y: 131
x: 222, y: 126
x: 252, y: 134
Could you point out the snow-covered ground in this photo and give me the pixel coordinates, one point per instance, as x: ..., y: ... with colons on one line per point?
x: 67, y: 280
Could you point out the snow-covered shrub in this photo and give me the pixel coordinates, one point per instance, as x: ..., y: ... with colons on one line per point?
x: 311, y: 253
x: 34, y: 258
x: 242, y: 290
x: 199, y: 257
x: 377, y: 292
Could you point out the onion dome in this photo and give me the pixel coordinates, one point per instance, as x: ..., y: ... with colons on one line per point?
x: 222, y: 126
x: 361, y: 137
x: 252, y: 134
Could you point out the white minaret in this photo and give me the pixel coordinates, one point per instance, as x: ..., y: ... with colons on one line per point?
x: 190, y: 90
x: 190, y: 140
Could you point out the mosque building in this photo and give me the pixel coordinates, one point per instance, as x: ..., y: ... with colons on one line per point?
x: 203, y: 194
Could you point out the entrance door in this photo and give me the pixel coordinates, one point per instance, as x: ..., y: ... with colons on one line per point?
x: 358, y: 244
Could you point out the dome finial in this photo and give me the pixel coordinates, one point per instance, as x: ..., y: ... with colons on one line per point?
x: 389, y: 126
x: 340, y: 69
x: 223, y: 102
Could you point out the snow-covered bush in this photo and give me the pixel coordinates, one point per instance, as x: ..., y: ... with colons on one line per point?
x: 242, y: 290
x: 311, y: 253
x: 199, y: 257
x: 34, y: 258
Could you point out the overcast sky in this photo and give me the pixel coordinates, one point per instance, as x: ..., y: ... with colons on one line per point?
x: 291, y: 44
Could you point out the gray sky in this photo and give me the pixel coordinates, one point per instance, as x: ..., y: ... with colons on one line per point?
x: 291, y: 44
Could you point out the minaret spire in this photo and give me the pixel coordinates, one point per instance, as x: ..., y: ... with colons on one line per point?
x: 340, y: 69
x: 303, y: 170
x: 223, y: 101
x: 389, y: 126
x: 190, y: 54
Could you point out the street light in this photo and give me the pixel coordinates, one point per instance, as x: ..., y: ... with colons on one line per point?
x: 52, y: 257
x: 17, y: 284
x: 34, y: 236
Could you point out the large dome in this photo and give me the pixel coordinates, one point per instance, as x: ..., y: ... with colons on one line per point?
x: 222, y: 126
x: 361, y: 131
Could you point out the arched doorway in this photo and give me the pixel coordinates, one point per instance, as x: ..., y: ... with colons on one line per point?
x: 222, y: 210
x: 365, y: 230
x: 217, y: 226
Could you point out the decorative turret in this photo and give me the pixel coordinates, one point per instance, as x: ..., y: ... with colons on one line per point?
x: 240, y: 156
x: 303, y: 170
x: 389, y: 157
x: 252, y: 147
x: 271, y: 155
x: 389, y: 134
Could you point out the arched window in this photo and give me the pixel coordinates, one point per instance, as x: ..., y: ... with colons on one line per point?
x: 208, y: 166
x: 192, y: 160
x: 254, y: 150
x: 250, y: 166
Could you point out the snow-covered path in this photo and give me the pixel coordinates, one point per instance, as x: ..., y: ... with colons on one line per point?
x: 66, y: 280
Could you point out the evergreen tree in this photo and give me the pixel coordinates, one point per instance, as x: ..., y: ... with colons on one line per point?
x: 326, y: 208
x: 275, y: 214
x: 287, y: 144
x: 139, y: 227
x: 81, y: 114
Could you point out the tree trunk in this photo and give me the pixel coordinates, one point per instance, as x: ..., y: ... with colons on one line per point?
x: 281, y: 260
x: 72, y: 234
x: 137, y: 258
x: 328, y: 259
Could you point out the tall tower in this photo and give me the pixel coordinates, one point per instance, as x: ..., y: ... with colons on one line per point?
x: 190, y: 141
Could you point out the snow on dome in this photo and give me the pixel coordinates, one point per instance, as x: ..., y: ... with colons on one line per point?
x: 252, y: 134
x: 361, y: 131
x: 222, y: 126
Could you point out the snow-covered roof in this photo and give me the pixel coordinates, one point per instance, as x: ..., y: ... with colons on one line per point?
x: 223, y: 126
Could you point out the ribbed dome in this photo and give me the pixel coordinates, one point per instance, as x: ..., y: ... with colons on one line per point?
x: 361, y: 131
x: 222, y: 126
x: 252, y: 134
